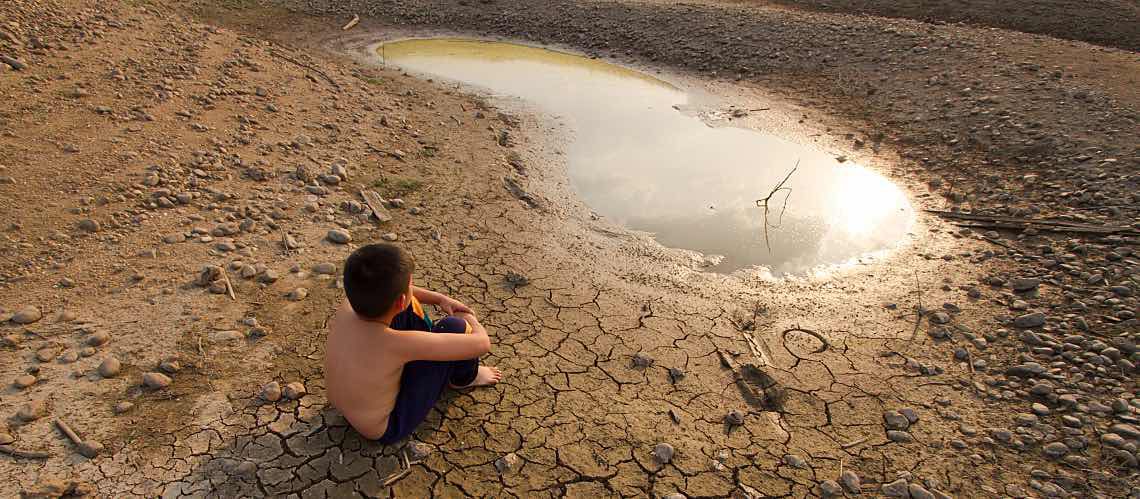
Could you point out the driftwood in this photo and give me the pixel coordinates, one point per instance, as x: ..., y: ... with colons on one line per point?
x: 978, y: 221
x: 23, y: 454
x: 306, y: 66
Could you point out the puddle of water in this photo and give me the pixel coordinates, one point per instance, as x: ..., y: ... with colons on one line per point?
x: 638, y: 161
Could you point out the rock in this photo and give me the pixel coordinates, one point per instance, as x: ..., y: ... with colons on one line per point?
x: 32, y: 411
x: 122, y: 407
x: 271, y: 391
x: 324, y: 268
x: 1055, y: 450
x: 795, y: 461
x: 294, y: 390
x: 939, y: 317
x: 98, y: 338
x: 508, y: 463
x: 45, y: 354
x: 895, y: 420
x: 897, y: 488
x: 1121, y: 291
x: 27, y: 315
x: 418, y: 451
x: 642, y: 360
x: 246, y: 468
x: 155, y: 380
x: 910, y: 414
x: 851, y: 481
x: 339, y: 236
x: 919, y: 492
x: 110, y: 367
x: 90, y: 449
x: 1023, y: 284
x: 830, y: 488
x: 6, y: 438
x: 734, y: 418
x: 13, y: 63
x: 68, y: 357
x: 389, y: 236
x: 89, y: 225
x: 1028, y: 321
x: 663, y: 453
x: 1125, y: 430
x: 298, y: 294
x: 23, y: 381
x: 1026, y: 370
x: 901, y: 437
x: 268, y: 277
x: 174, y: 238
x: 226, y: 336
x: 169, y: 366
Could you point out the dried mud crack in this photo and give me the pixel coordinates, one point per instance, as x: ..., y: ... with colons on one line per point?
x: 180, y: 183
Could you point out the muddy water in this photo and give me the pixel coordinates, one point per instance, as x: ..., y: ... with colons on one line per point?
x: 637, y: 160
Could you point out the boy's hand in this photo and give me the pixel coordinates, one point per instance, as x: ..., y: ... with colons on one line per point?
x: 451, y: 306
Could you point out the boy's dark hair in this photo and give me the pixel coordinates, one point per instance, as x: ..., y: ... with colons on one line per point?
x: 375, y: 276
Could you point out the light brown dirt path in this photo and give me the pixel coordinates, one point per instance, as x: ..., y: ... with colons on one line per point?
x: 228, y: 146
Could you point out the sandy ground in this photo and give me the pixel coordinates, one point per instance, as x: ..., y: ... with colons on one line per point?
x: 200, y: 135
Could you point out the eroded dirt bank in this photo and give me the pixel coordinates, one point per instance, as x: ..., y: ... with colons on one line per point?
x: 141, y: 145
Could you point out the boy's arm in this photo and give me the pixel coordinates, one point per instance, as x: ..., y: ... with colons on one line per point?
x: 419, y: 345
x: 449, y: 305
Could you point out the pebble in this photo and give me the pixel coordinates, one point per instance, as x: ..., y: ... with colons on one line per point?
x: 642, y: 360
x: 324, y: 268
x: 794, y: 461
x: 895, y: 420
x: 1023, y: 284
x: 851, y: 481
x: 6, y: 438
x: 155, y: 380
x: 27, y: 315
x: 226, y: 336
x: 294, y: 390
x: 1056, y: 450
x: 98, y: 338
x: 24, y: 381
x: 897, y: 488
x: 1028, y: 321
x: 110, y: 367
x: 298, y: 294
x: 418, y: 451
x: 68, y: 357
x: 169, y: 366
x: 734, y: 418
x: 339, y: 236
x: 507, y: 463
x: 45, y: 354
x: 89, y: 225
x: 901, y: 437
x: 122, y: 407
x: 390, y: 236
x: 271, y: 391
x: 830, y: 488
x: 663, y: 453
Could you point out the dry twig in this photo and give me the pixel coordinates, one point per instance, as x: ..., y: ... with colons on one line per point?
x: 764, y: 204
x: 306, y: 66
x: 823, y: 347
x: 352, y: 23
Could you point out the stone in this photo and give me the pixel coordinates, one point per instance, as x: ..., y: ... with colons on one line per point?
x: 339, y: 236
x: 389, y: 236
x: 418, y: 451
x: 89, y: 225
x: 830, y: 488
x: 895, y: 420
x: 919, y: 492
x: 324, y: 268
x: 1055, y: 450
x: 939, y: 317
x: 155, y: 380
x: 1023, y: 284
x: 98, y: 338
x: 1028, y: 321
x: 910, y: 414
x: 901, y: 437
x: 23, y: 381
x: 794, y: 461
x: 508, y: 463
x: 294, y: 390
x: 123, y: 407
x: 68, y: 357
x: 32, y: 411
x: 27, y: 315
x: 298, y: 294
x: 110, y: 367
x: 169, y: 366
x: 269, y: 277
x: 897, y: 488
x: 851, y: 481
x: 6, y: 438
x: 663, y: 453
x: 271, y: 391
x: 734, y: 418
x: 45, y: 354
x: 642, y: 360
x: 1125, y: 430
x: 229, y: 336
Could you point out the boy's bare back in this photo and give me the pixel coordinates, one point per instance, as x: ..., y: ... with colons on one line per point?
x: 362, y: 371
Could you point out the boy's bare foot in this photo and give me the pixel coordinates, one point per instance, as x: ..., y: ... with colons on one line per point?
x: 485, y: 377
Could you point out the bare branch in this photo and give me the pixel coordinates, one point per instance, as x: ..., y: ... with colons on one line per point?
x: 763, y: 203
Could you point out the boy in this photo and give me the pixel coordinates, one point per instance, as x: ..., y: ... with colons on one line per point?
x: 385, y: 364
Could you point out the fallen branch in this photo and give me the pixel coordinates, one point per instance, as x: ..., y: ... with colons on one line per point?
x: 229, y: 286
x: 306, y: 66
x: 822, y: 348
x: 764, y: 203
x: 23, y: 454
x: 918, y: 309
x: 355, y: 20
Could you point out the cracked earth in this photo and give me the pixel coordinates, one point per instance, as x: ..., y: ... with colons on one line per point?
x: 143, y: 142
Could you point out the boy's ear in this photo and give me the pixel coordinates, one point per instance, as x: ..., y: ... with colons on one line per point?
x: 401, y: 303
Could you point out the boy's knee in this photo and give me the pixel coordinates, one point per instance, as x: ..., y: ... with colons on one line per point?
x: 451, y: 324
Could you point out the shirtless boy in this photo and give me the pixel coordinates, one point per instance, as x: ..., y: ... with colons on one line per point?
x: 386, y: 364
